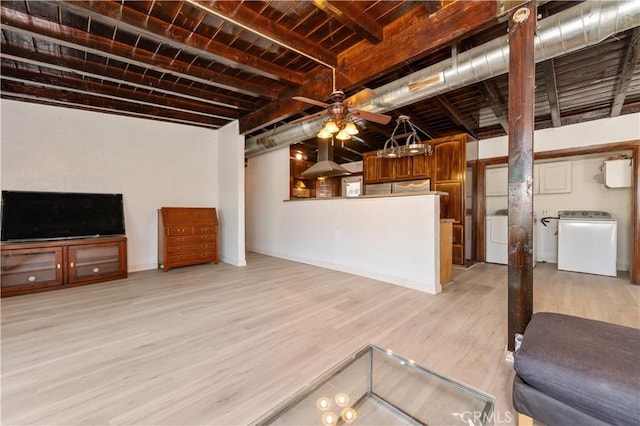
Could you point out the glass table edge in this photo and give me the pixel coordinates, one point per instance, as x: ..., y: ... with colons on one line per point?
x: 306, y: 390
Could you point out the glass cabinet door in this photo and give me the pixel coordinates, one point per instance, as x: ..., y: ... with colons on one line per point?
x: 31, y: 268
x: 89, y: 262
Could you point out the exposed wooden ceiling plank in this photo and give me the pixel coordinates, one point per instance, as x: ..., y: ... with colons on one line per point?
x: 111, y: 92
x: 407, y: 40
x: 630, y: 62
x: 120, y: 76
x: 350, y: 17
x: 549, y: 72
x: 444, y: 27
x: 41, y: 101
x: 103, y: 103
x: 495, y: 102
x: 455, y: 115
x: 269, y: 29
x: 139, y: 23
x: 76, y: 39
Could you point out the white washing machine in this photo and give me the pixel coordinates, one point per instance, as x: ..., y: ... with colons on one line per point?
x: 497, y: 238
x: 587, y: 242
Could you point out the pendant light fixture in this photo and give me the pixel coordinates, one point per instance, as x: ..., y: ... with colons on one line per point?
x: 413, y: 144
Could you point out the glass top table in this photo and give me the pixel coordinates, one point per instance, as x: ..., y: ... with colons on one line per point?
x: 374, y: 386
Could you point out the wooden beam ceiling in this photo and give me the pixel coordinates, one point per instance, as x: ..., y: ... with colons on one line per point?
x: 350, y: 17
x: 407, y: 39
x: 630, y: 62
x: 549, y: 72
x: 127, y: 19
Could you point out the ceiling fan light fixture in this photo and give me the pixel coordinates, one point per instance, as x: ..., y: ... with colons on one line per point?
x: 351, y: 128
x: 324, y: 133
x: 331, y: 126
x: 343, y: 135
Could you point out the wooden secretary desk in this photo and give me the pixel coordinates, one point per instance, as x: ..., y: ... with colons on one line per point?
x: 187, y: 236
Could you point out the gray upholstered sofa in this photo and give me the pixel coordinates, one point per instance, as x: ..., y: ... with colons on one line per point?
x: 576, y: 371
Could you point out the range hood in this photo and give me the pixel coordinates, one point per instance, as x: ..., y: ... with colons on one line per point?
x: 325, y: 167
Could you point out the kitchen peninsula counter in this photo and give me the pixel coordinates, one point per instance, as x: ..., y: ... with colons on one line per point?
x: 404, y: 194
x: 392, y: 238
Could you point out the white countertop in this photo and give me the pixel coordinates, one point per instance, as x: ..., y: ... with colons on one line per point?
x: 406, y: 194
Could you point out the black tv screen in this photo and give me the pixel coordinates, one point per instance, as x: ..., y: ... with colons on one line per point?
x: 56, y: 215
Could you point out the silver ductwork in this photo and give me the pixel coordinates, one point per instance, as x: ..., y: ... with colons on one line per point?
x: 583, y: 25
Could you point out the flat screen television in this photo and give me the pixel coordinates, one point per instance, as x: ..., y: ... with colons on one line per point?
x: 59, y: 215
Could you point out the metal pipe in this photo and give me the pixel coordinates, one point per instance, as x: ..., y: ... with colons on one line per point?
x: 581, y: 26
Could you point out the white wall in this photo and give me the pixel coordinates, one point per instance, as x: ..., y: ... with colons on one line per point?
x: 231, y: 194
x: 391, y: 239
x: 609, y: 130
x: 153, y: 164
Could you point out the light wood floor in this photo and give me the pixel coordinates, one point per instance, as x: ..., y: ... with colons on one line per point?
x: 220, y: 345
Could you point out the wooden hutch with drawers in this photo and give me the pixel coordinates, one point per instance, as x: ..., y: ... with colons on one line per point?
x: 187, y: 236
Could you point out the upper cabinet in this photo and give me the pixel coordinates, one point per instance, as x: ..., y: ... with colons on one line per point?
x: 548, y: 178
x: 377, y: 170
x: 497, y: 181
x: 554, y: 178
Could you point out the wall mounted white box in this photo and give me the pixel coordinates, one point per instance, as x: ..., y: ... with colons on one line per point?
x: 617, y: 173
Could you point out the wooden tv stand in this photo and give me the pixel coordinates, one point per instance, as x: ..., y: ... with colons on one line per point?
x: 29, y: 267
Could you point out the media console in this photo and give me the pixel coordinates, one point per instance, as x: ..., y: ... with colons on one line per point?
x: 28, y: 267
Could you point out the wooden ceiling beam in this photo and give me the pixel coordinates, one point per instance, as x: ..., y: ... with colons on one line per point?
x: 630, y: 62
x: 103, y: 104
x: 62, y: 35
x: 456, y: 116
x: 121, y: 76
x: 103, y: 90
x: 349, y: 16
x: 495, y: 102
x: 279, y: 34
x: 120, y: 16
x: 413, y: 36
x: 549, y: 72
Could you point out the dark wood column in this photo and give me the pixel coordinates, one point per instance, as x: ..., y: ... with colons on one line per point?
x: 521, y: 127
x: 635, y: 218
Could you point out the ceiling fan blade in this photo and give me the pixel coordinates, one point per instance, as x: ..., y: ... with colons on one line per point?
x: 310, y: 101
x: 371, y: 116
x: 360, y: 97
x: 308, y: 117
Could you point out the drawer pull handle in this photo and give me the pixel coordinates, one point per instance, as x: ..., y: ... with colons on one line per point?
x: 32, y: 278
x: 71, y: 264
x: 96, y: 270
x: 58, y: 266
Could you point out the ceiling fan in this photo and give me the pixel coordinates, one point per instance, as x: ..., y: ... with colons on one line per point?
x: 340, y: 120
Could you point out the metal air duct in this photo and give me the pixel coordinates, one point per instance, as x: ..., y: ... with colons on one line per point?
x: 583, y: 25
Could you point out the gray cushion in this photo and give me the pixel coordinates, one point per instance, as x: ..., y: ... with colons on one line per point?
x: 589, y: 365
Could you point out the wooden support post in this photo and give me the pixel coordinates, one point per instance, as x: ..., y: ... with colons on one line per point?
x: 635, y: 218
x: 521, y: 127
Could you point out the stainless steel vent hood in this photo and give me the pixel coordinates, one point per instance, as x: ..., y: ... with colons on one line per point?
x: 325, y: 167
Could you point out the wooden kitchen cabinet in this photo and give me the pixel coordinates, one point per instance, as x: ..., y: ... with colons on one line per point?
x: 420, y: 166
x: 449, y: 175
x: 48, y: 265
x: 377, y: 170
x: 187, y: 236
